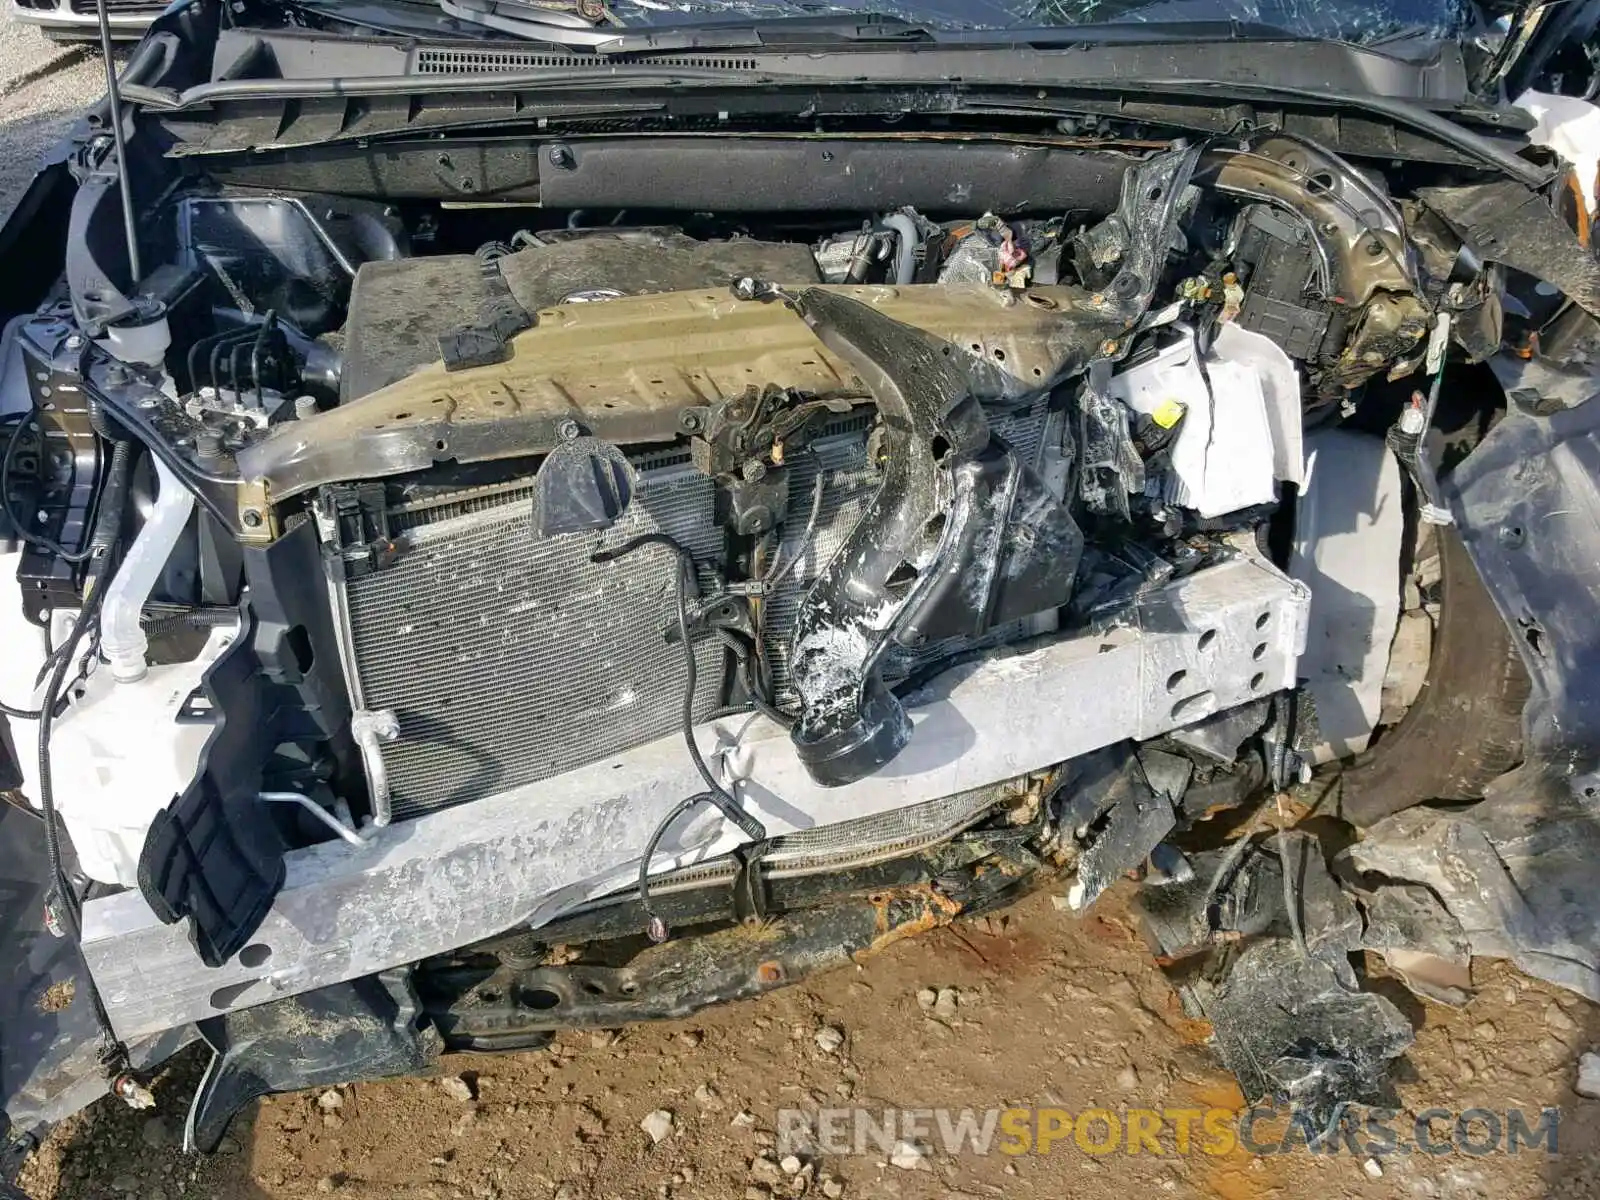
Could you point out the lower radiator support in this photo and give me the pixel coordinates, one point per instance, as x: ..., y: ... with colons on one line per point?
x: 1218, y: 638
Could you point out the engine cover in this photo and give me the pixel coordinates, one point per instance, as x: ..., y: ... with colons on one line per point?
x: 399, y: 309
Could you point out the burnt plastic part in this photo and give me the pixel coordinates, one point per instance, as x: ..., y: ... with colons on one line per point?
x: 1111, y: 469
x: 368, y: 1028
x: 1109, y: 808
x: 1127, y: 252
x: 1220, y: 736
x: 1258, y: 942
x: 215, y: 855
x: 1412, y: 929
x: 1506, y: 222
x: 959, y: 537
x: 499, y: 316
x: 582, y: 484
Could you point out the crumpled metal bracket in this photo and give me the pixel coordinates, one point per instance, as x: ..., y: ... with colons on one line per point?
x: 960, y: 536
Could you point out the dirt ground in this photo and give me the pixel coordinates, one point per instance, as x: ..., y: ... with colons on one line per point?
x: 1048, y: 1009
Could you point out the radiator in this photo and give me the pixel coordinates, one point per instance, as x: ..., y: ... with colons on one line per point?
x: 511, y: 658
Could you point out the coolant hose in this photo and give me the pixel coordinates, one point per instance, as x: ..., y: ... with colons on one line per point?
x: 908, y: 238
x: 121, y: 639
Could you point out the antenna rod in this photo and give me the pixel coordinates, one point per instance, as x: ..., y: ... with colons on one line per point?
x: 114, y: 100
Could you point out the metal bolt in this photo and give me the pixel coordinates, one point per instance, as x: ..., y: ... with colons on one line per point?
x: 208, y: 444
x: 567, y: 430
x: 74, y: 341
x: 690, y: 421
x: 252, y: 518
x: 561, y: 157
x: 305, y: 406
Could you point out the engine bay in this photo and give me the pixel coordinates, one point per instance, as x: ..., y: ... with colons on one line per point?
x: 547, y: 463
x: 497, y: 569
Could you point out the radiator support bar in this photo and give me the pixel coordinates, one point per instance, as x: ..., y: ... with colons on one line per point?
x: 1215, y: 639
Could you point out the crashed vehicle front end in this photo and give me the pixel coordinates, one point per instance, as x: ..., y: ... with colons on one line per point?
x: 485, y: 533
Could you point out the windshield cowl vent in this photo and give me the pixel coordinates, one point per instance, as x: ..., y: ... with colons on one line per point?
x: 442, y: 61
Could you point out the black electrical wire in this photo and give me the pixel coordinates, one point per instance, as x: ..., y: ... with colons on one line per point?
x: 760, y: 700
x: 656, y: 925
x: 101, y: 542
x: 646, y: 539
x: 720, y: 796
x: 716, y: 794
x: 114, y: 1053
x: 38, y: 540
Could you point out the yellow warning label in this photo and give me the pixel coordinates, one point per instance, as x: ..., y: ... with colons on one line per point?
x: 1168, y: 413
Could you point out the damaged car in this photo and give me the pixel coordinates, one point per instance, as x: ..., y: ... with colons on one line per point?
x: 502, y: 497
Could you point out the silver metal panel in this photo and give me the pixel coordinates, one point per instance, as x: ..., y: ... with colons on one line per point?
x: 1349, y: 525
x: 456, y: 876
x: 510, y: 657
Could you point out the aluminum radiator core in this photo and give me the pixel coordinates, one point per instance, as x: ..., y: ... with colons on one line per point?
x: 510, y: 658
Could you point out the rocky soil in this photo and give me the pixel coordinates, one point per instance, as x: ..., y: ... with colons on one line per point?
x: 1031, y: 1007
